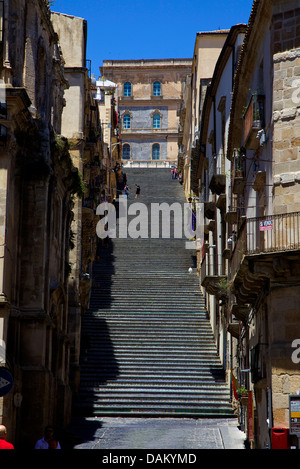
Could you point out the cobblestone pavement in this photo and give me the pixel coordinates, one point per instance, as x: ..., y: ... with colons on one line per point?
x: 105, y: 433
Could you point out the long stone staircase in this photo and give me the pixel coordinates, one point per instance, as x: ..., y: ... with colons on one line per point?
x: 147, y: 344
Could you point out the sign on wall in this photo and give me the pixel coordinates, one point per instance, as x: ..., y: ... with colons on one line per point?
x: 265, y: 225
x: 294, y: 408
x: 6, y: 381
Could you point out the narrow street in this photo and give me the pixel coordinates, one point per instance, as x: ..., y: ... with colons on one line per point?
x: 117, y: 433
x: 150, y: 374
x: 147, y: 342
x: 166, y: 317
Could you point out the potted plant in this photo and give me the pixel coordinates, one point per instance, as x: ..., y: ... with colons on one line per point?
x: 242, y: 392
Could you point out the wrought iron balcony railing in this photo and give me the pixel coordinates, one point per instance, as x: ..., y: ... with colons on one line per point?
x: 254, y: 121
x: 239, y: 172
x: 216, y: 174
x: 272, y: 233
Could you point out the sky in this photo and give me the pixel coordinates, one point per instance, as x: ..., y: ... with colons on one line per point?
x: 120, y: 30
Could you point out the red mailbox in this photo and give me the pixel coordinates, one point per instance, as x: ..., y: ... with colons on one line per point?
x: 280, y: 438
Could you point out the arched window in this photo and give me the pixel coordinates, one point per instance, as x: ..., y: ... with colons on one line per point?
x: 155, y: 151
x: 126, y: 151
x: 156, y: 121
x: 127, y: 89
x: 126, y: 121
x: 156, y: 88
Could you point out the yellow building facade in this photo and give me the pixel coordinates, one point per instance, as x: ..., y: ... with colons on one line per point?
x: 149, y: 94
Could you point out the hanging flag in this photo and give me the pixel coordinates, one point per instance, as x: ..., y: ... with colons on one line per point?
x: 234, y: 384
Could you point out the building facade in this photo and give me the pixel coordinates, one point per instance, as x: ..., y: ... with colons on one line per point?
x: 109, y: 121
x: 264, y: 258
x: 208, y: 46
x: 72, y: 36
x: 245, y: 172
x: 149, y: 94
x: 51, y: 150
x: 212, y: 171
x: 38, y: 184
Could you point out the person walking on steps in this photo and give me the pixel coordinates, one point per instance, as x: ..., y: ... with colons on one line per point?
x: 138, y: 191
x: 126, y: 190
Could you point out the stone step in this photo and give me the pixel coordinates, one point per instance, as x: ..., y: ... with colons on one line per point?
x: 150, y: 374
x: 147, y: 345
x: 156, y: 399
x: 163, y: 344
x: 162, y: 385
x: 146, y: 395
x: 184, y: 315
x: 160, y: 409
x: 149, y: 377
x: 148, y: 308
x: 169, y: 319
x: 207, y: 367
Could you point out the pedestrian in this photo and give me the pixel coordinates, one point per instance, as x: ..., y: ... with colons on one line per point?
x: 172, y: 173
x: 53, y: 444
x: 138, y: 191
x: 48, y: 441
x: 3, y: 435
x: 126, y: 190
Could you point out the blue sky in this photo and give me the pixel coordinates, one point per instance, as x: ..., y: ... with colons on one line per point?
x: 150, y: 30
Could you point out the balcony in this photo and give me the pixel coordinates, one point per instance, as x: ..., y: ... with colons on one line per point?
x: 266, y: 250
x: 217, y: 177
x: 231, y: 216
x: 239, y: 183
x: 210, y: 226
x: 209, y: 210
x: 234, y: 329
x: 260, y: 180
x: 221, y: 202
x: 214, y: 284
x: 253, y: 121
x: 240, y: 312
x: 239, y: 172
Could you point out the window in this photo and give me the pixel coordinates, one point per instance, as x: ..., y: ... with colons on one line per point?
x: 127, y: 89
x: 126, y: 121
x: 155, y: 151
x: 126, y: 151
x: 156, y: 121
x: 102, y: 95
x: 156, y: 88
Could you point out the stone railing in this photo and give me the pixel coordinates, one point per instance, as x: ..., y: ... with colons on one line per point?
x: 149, y: 164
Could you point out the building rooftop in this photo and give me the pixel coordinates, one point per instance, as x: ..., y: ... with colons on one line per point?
x: 217, y: 31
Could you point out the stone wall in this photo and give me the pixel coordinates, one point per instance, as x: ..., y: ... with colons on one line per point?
x: 284, y: 329
x: 286, y: 110
x: 37, y: 183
